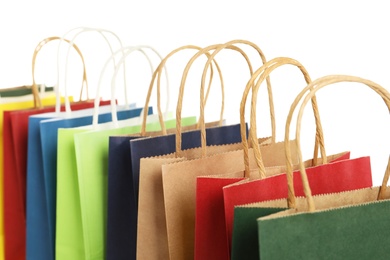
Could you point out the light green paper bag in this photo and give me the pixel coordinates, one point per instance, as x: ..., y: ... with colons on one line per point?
x: 82, y: 187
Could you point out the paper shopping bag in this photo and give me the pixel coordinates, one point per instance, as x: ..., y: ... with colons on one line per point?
x: 26, y: 142
x: 151, y: 201
x: 23, y: 93
x: 334, y: 178
x: 69, y: 241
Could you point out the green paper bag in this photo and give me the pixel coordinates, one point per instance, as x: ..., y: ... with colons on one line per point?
x: 353, y: 231
x: 341, y: 225
x: 69, y: 235
x: 8, y: 94
x: 82, y: 187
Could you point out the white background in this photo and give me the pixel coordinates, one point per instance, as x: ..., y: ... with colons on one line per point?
x: 327, y: 37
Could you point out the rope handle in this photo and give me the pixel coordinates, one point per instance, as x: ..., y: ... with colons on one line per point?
x: 260, y: 75
x: 217, y: 48
x: 128, y: 50
x: 35, y: 91
x: 315, y: 86
x: 157, y: 77
x: 83, y: 30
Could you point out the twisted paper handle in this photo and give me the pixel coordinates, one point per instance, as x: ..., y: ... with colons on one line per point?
x: 157, y: 75
x: 84, y: 30
x: 35, y: 91
x: 315, y: 86
x: 217, y: 48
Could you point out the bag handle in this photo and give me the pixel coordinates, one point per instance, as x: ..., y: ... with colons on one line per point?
x: 83, y: 30
x: 35, y: 92
x: 217, y: 48
x: 127, y: 51
x: 261, y: 74
x: 157, y: 75
x: 315, y: 86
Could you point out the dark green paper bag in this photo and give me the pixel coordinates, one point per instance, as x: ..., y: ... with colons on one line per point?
x: 343, y: 225
x: 21, y: 91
